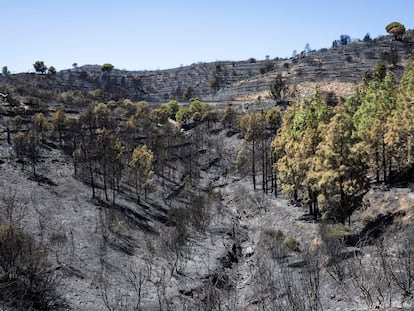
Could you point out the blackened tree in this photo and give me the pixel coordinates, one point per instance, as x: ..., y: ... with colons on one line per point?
x: 40, y: 67
x: 278, y: 88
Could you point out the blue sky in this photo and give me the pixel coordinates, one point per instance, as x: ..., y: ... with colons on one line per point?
x: 160, y: 34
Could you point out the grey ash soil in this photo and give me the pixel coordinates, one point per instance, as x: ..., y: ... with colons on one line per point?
x: 94, y: 246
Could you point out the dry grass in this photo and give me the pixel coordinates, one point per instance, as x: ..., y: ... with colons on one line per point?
x: 386, y: 202
x: 341, y: 89
x: 406, y: 204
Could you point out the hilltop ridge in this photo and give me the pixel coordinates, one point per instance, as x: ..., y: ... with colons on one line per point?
x: 336, y: 69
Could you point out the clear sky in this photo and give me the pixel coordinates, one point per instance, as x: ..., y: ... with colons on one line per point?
x: 160, y: 34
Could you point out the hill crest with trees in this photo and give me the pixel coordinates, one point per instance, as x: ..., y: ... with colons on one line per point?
x: 299, y: 200
x: 223, y: 81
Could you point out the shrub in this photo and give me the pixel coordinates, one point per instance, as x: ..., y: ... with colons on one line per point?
x: 51, y: 70
x: 271, y: 244
x: 367, y: 217
x: 107, y: 67
x: 197, y: 116
x: 278, y: 88
x: 83, y: 75
x: 215, y: 83
x: 229, y: 117
x: 17, y: 121
x: 273, y: 233
x: 188, y: 92
x: 242, y: 163
x: 293, y: 244
x: 181, y: 219
x: 97, y: 94
x: 183, y: 115
x: 266, y: 67
x: 338, y: 230
x: 25, y: 280
x: 391, y: 57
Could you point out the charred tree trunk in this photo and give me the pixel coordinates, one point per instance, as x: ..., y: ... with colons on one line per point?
x: 90, y: 164
x: 253, y: 164
x: 264, y: 175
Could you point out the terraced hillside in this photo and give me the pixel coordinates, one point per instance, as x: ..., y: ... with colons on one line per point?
x: 335, y: 69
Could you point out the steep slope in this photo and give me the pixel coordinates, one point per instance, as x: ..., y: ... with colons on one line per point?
x: 129, y: 254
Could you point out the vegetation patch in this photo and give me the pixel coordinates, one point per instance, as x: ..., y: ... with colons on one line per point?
x: 293, y: 244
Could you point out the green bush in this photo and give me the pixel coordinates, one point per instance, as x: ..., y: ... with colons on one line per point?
x: 214, y: 83
x: 183, y: 115
x: 188, y: 92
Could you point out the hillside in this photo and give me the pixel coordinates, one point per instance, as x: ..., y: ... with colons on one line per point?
x: 116, y: 256
x: 335, y: 70
x: 109, y: 202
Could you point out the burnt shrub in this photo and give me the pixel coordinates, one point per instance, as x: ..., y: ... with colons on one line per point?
x: 26, y: 280
x: 266, y: 67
